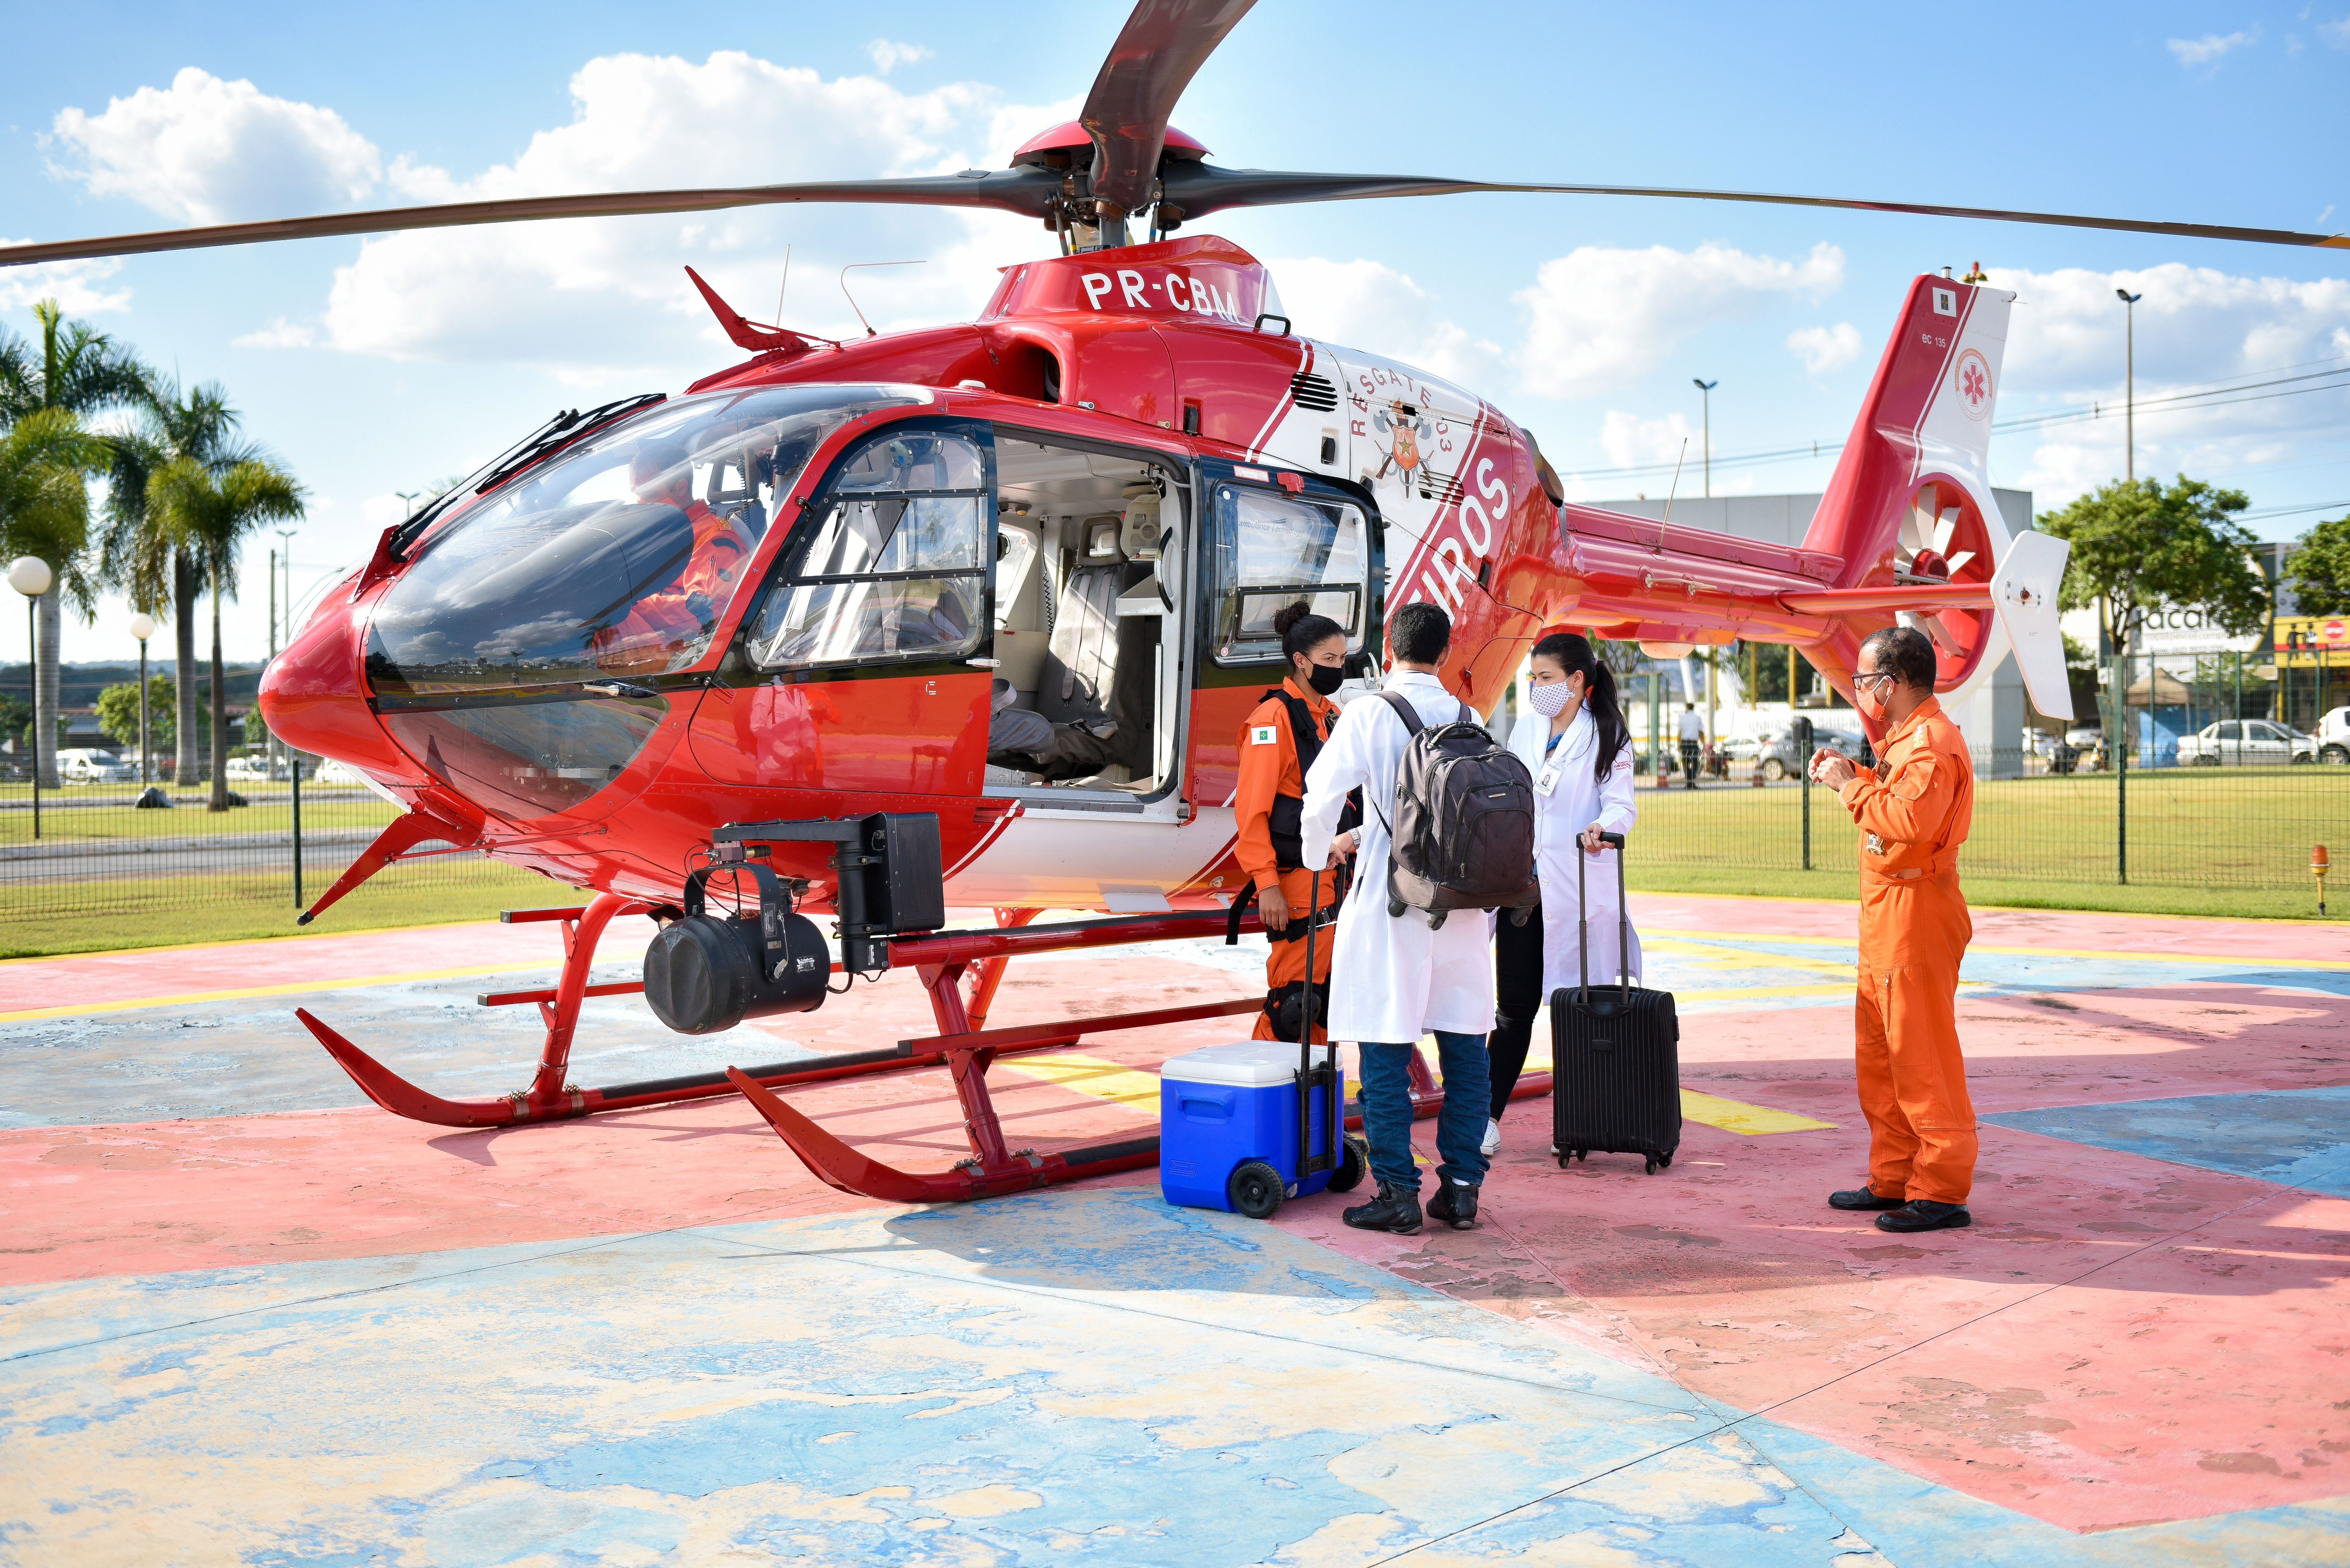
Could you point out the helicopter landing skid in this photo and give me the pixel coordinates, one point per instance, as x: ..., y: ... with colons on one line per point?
x: 944, y: 961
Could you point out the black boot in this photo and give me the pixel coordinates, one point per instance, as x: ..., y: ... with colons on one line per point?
x: 1454, y: 1205
x: 1924, y: 1214
x: 1864, y: 1198
x: 1390, y: 1211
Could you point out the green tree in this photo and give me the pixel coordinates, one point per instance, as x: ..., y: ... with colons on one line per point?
x: 209, y: 516
x: 117, y: 713
x: 2137, y: 543
x: 156, y: 570
x: 44, y: 459
x: 2320, y: 569
x: 78, y: 371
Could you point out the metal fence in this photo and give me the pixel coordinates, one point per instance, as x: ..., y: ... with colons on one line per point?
x: 90, y: 850
x: 2231, y: 775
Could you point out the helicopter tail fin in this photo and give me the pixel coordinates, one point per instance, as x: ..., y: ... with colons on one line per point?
x: 1912, y: 502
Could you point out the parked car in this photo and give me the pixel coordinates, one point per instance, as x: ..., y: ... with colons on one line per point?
x: 1777, y: 748
x: 2246, y: 742
x: 2055, y: 754
x: 2333, y: 737
x: 85, y: 765
x: 337, y: 771
x: 256, y: 766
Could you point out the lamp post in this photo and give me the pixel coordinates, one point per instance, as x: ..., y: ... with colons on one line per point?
x: 283, y: 557
x: 30, y: 576
x: 1706, y: 389
x: 2129, y: 383
x: 142, y: 626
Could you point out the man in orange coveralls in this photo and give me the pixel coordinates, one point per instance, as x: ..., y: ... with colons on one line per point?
x: 1268, y: 809
x: 665, y: 620
x: 1914, y: 813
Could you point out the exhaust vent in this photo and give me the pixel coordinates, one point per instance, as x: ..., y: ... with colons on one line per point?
x: 1312, y: 392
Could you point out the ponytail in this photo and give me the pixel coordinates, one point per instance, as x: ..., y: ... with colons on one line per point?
x: 1300, y: 630
x: 1573, y: 654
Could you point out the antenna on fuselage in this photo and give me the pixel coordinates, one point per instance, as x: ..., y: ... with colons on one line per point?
x: 852, y: 266
x: 785, y: 285
x: 1666, y: 520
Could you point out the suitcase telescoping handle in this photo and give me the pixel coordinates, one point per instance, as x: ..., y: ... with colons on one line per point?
x: 1623, y: 911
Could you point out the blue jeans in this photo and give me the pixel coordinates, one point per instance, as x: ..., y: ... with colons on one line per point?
x: 1459, y: 1125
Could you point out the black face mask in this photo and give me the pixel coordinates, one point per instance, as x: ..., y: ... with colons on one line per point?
x: 1326, y: 677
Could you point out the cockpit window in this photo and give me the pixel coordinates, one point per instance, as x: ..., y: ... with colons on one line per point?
x: 615, y: 558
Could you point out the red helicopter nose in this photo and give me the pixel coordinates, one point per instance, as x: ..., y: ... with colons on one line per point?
x: 311, y: 698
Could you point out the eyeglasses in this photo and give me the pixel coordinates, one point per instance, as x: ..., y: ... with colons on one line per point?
x: 1859, y: 676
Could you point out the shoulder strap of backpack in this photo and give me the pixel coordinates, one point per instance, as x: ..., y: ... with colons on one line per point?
x: 1404, y: 710
x: 1303, y: 737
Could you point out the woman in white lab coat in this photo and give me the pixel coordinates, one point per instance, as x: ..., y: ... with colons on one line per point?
x: 1574, y: 741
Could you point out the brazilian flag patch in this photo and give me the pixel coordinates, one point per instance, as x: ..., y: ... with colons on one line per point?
x: 1261, y: 735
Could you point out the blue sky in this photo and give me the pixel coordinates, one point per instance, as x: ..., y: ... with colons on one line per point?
x: 375, y: 367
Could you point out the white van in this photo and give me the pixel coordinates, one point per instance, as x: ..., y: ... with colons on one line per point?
x: 2333, y: 737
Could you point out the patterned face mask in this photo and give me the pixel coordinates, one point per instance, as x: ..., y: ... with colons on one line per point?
x: 1552, y: 699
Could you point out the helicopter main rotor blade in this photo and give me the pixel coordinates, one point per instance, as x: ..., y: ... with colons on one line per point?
x: 1028, y: 191
x: 1200, y: 188
x: 1163, y: 43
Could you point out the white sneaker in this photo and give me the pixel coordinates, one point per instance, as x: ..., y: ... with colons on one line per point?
x: 1493, y: 1144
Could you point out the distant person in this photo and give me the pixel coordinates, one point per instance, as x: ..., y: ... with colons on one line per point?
x: 1279, y: 741
x: 1574, y: 739
x: 1394, y: 979
x: 1693, y: 729
x: 1914, y: 812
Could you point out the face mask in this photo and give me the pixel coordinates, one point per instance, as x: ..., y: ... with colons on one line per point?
x: 1551, y: 699
x: 1326, y: 677
x: 1866, y: 700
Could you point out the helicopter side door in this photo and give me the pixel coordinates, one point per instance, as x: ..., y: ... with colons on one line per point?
x: 863, y: 667
x: 1270, y: 538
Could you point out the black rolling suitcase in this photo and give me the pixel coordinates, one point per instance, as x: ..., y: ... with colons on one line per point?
x: 1615, y: 1054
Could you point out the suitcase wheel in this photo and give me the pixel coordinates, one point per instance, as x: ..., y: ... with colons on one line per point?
x: 1256, y: 1190
x: 1664, y: 1160
x: 1353, y: 1163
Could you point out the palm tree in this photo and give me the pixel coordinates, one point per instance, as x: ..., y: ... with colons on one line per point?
x: 208, y: 518
x: 78, y: 372
x: 155, y: 569
x: 44, y: 512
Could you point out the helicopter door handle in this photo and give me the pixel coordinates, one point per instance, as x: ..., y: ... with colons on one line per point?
x: 984, y: 663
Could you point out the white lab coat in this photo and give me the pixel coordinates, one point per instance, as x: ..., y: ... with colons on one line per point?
x: 1391, y: 980
x: 1576, y: 801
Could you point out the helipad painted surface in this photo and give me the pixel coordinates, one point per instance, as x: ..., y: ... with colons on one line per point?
x: 245, y: 1318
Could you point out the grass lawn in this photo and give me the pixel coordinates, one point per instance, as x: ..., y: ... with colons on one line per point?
x: 2197, y: 838
x: 174, y: 911
x: 1987, y: 892
x: 71, y: 819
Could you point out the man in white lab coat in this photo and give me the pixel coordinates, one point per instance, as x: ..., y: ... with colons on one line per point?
x: 1392, y: 980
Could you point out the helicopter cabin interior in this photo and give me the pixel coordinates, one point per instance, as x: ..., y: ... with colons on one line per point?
x: 1088, y: 574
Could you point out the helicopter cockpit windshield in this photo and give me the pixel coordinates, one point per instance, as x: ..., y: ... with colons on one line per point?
x: 615, y: 558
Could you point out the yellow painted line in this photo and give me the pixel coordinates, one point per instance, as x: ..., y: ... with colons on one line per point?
x: 1735, y: 1116
x: 1105, y: 1080
x: 243, y: 941
x: 2031, y: 952
x: 295, y: 988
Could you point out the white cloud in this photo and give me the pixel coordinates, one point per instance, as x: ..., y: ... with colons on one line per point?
x: 887, y: 57
x: 204, y: 150
x: 2210, y: 48
x: 2197, y: 326
x: 1631, y: 442
x: 2337, y: 33
x: 603, y: 302
x: 281, y: 333
x: 1825, y: 348
x: 73, y: 284
x: 1367, y: 305
x: 383, y: 510
x: 1601, y: 318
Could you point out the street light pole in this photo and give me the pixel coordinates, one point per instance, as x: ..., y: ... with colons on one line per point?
x: 2129, y: 383
x: 142, y: 626
x: 1706, y: 388
x: 30, y: 576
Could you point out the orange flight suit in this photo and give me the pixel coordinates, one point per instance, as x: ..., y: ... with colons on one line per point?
x: 1914, y: 812
x: 1268, y: 770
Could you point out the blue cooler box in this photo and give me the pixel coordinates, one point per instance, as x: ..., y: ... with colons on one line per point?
x: 1223, y: 1106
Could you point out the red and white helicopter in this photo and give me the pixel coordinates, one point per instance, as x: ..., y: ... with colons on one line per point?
x: 778, y: 625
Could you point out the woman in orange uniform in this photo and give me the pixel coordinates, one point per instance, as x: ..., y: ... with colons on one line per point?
x: 1278, y: 744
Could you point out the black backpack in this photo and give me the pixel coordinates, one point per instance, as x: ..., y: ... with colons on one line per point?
x: 1463, y: 834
